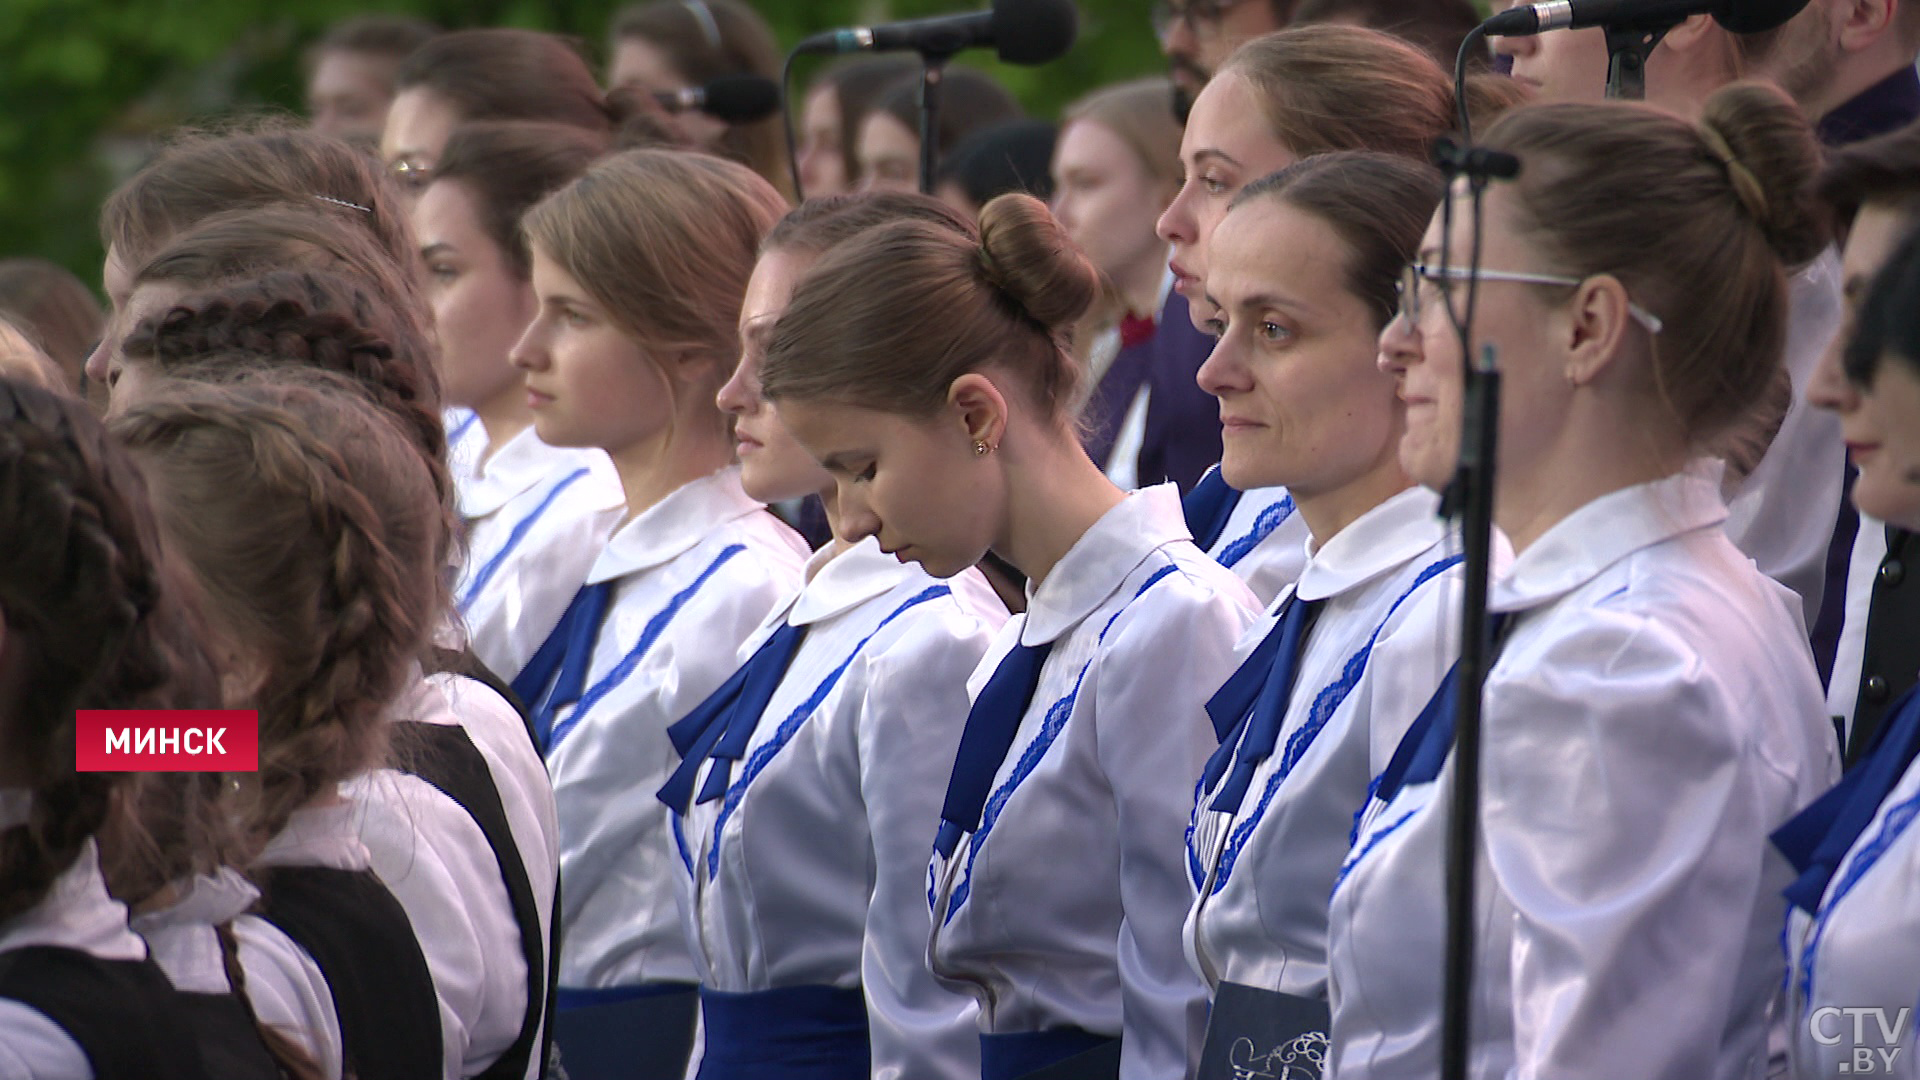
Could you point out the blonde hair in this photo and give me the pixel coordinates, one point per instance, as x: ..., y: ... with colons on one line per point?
x: 665, y: 241
x: 21, y: 359
x: 1140, y: 113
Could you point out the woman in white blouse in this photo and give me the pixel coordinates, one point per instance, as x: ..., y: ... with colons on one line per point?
x: 1853, y: 970
x: 535, y: 515
x: 640, y: 266
x: 1653, y: 711
x: 808, y: 781
x: 927, y: 371
x: 1303, y: 275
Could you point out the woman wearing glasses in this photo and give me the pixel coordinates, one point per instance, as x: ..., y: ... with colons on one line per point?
x: 1652, y: 712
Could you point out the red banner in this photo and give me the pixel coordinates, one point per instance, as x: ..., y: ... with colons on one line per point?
x: 167, y: 740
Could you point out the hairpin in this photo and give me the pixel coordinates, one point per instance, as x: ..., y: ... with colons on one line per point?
x: 345, y: 203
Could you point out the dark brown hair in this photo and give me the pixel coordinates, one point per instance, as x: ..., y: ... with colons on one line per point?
x: 97, y: 620
x: 206, y: 173
x: 391, y: 37
x: 706, y: 39
x: 1885, y: 169
x: 54, y: 308
x: 508, y: 166
x: 889, y: 319
x: 969, y: 101
x: 503, y: 74
x: 1695, y: 221
x: 1332, y: 87
x: 1378, y: 204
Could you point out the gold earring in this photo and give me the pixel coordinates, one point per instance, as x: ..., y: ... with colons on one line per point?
x: 980, y: 448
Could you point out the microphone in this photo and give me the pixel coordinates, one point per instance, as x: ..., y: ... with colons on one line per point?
x: 1737, y: 16
x: 1021, y: 31
x: 737, y: 99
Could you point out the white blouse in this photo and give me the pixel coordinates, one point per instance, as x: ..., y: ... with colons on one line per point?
x: 1064, y: 908
x: 537, y: 516
x: 1653, y: 716
x: 1265, y: 542
x: 695, y: 576
x: 1388, y: 588
x: 77, y: 914
x: 812, y: 869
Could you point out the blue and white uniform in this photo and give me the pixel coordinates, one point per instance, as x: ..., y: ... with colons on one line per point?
x: 1257, y: 534
x: 1853, y: 921
x: 1059, y: 905
x: 537, y: 516
x: 678, y: 589
x: 1653, y: 716
x: 1274, y: 812
x: 804, y: 847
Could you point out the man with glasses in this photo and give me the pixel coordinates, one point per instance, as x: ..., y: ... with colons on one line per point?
x: 1199, y: 35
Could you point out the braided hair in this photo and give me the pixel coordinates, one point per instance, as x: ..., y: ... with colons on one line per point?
x: 311, y: 526
x: 93, y: 619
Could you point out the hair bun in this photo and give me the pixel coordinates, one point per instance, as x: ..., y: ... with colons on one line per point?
x: 1761, y: 139
x: 1028, y: 257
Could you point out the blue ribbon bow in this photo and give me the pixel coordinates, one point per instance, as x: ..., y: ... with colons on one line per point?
x: 1208, y: 507
x: 992, y: 724
x: 567, y: 651
x: 721, y: 726
x: 1254, y: 702
x: 1817, y: 839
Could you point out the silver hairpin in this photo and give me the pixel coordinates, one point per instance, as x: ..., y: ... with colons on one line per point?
x: 708, y: 26
x: 345, y: 203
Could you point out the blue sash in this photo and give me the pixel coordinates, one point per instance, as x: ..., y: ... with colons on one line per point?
x: 789, y: 1033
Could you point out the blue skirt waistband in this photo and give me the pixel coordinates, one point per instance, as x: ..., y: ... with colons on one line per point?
x: 790, y: 1033
x: 1010, y: 1056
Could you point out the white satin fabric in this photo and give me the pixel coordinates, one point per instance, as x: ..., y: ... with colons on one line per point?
x: 1653, y: 716
x: 1074, y: 897
x: 620, y: 916
x: 1388, y: 601
x: 1265, y: 542
x: 811, y: 871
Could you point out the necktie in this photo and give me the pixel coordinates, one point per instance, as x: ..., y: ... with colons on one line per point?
x: 991, y: 725
x: 567, y: 651
x: 1277, y: 661
x: 721, y: 726
x: 1817, y: 840
x: 1207, y: 508
x: 1425, y: 746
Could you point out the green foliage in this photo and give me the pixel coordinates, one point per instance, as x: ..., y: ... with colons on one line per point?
x: 89, y: 84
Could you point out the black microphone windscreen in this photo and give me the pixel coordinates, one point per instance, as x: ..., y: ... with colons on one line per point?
x: 741, y: 99
x: 1034, y: 31
x: 1755, y: 16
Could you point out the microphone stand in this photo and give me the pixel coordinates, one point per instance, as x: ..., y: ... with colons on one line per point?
x: 1627, y: 50
x: 1470, y: 500
x: 933, y: 67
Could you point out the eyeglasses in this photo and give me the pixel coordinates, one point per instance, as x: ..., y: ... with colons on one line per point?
x: 411, y: 174
x: 1196, y: 14
x: 1416, y: 273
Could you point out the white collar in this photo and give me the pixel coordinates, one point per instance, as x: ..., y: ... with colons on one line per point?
x: 672, y: 526
x: 843, y: 582
x: 1373, y: 544
x: 1099, y: 562
x: 76, y: 913
x: 206, y: 900
x: 326, y: 835
x: 521, y: 463
x: 1585, y: 543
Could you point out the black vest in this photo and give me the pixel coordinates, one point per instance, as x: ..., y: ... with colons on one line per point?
x: 127, y: 1018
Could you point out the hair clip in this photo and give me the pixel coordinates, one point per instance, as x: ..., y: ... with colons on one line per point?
x: 345, y: 203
